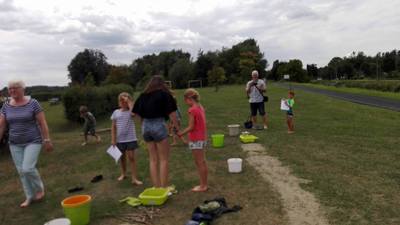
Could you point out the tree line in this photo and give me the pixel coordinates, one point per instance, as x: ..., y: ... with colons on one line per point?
x: 226, y: 66
x: 384, y: 65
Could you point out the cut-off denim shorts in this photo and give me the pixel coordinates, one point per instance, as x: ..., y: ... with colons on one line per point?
x: 154, y: 130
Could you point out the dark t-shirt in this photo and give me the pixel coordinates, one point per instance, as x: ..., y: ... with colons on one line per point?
x: 155, y: 105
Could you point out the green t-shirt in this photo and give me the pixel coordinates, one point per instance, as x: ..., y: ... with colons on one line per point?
x: 290, y: 102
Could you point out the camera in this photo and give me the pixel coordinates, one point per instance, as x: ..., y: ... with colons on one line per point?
x: 254, y: 83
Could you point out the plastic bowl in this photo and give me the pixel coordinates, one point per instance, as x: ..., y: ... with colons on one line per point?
x: 154, y: 196
x: 248, y: 138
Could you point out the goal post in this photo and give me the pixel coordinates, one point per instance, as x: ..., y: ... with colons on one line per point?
x: 195, y: 83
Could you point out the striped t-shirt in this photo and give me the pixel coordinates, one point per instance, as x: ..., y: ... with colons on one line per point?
x: 22, y: 124
x: 125, y: 126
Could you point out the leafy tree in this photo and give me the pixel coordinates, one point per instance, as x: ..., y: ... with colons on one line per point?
x: 216, y: 76
x: 89, y: 80
x: 119, y: 74
x: 274, y: 71
x: 241, y: 59
x: 89, y: 61
x: 312, y: 71
x: 181, y: 72
x: 203, y: 64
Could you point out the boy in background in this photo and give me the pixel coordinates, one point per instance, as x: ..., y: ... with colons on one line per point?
x: 89, y: 127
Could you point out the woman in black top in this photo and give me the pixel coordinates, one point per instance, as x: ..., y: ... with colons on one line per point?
x: 154, y: 106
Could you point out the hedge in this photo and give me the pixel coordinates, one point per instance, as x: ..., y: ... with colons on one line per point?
x: 45, y: 96
x: 379, y: 85
x: 101, y: 101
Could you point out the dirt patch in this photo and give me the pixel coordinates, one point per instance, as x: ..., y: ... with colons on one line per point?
x: 301, y: 206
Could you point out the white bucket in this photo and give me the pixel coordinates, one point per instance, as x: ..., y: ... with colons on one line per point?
x: 235, y: 165
x: 234, y: 129
x: 60, y: 221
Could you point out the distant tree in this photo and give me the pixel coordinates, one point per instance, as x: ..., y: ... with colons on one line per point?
x: 389, y: 61
x: 119, y: 74
x: 312, y: 71
x: 203, y: 64
x: 274, y: 71
x: 181, y: 72
x: 89, y: 61
x: 241, y: 59
x: 89, y: 80
x: 294, y: 68
x: 335, y: 64
x: 216, y: 76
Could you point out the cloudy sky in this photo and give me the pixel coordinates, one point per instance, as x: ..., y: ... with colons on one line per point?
x: 39, y: 38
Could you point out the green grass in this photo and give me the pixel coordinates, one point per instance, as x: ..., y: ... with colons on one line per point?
x: 391, y: 95
x: 71, y: 165
x: 349, y: 152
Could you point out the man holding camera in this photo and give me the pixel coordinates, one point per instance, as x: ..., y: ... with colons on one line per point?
x: 255, y: 89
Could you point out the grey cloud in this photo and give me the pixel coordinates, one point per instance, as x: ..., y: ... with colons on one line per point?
x: 311, y: 30
x: 7, y: 6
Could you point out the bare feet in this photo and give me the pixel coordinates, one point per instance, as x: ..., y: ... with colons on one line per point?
x: 122, y: 177
x: 290, y: 132
x: 200, y: 189
x: 136, y: 182
x: 25, y: 204
x: 174, y: 144
x: 39, y: 196
x: 98, y: 139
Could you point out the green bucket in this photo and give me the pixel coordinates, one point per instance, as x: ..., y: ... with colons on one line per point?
x: 77, y: 209
x: 217, y: 140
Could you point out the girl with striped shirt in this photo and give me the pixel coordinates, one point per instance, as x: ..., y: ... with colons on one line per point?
x: 123, y: 135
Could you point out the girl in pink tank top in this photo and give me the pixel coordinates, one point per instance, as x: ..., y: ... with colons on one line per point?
x: 197, y: 131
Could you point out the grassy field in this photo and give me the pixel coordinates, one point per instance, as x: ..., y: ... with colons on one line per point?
x: 349, y: 152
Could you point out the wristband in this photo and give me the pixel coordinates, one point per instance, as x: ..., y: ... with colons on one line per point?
x: 46, y: 140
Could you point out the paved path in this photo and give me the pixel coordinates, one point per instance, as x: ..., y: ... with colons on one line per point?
x: 380, y: 102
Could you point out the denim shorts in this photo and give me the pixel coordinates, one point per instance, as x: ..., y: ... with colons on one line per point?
x: 154, y: 130
x: 127, y: 146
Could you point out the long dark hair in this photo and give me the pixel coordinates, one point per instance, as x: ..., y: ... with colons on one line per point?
x: 156, y: 83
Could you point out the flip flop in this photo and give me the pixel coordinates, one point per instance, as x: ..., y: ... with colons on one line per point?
x: 75, y: 189
x: 97, y: 178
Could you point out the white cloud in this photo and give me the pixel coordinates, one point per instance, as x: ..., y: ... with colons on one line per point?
x: 39, y: 38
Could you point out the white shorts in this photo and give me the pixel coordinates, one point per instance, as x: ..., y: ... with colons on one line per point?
x: 193, y: 145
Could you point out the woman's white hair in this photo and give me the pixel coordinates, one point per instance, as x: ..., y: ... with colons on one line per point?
x: 16, y: 82
x: 254, y: 73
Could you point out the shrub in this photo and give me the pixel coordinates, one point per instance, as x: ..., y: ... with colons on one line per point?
x: 101, y: 101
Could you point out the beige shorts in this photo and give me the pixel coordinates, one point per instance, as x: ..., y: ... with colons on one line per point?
x: 195, y: 145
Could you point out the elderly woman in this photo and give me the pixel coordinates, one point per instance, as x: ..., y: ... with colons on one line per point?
x: 28, y: 132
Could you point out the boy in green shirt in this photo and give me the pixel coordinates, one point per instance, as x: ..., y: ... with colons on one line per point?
x: 289, y: 114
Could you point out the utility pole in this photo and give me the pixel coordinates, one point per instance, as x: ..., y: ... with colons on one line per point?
x: 377, y: 76
x: 395, y: 60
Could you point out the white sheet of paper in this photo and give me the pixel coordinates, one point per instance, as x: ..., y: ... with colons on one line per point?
x: 114, y: 152
x: 284, y: 107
